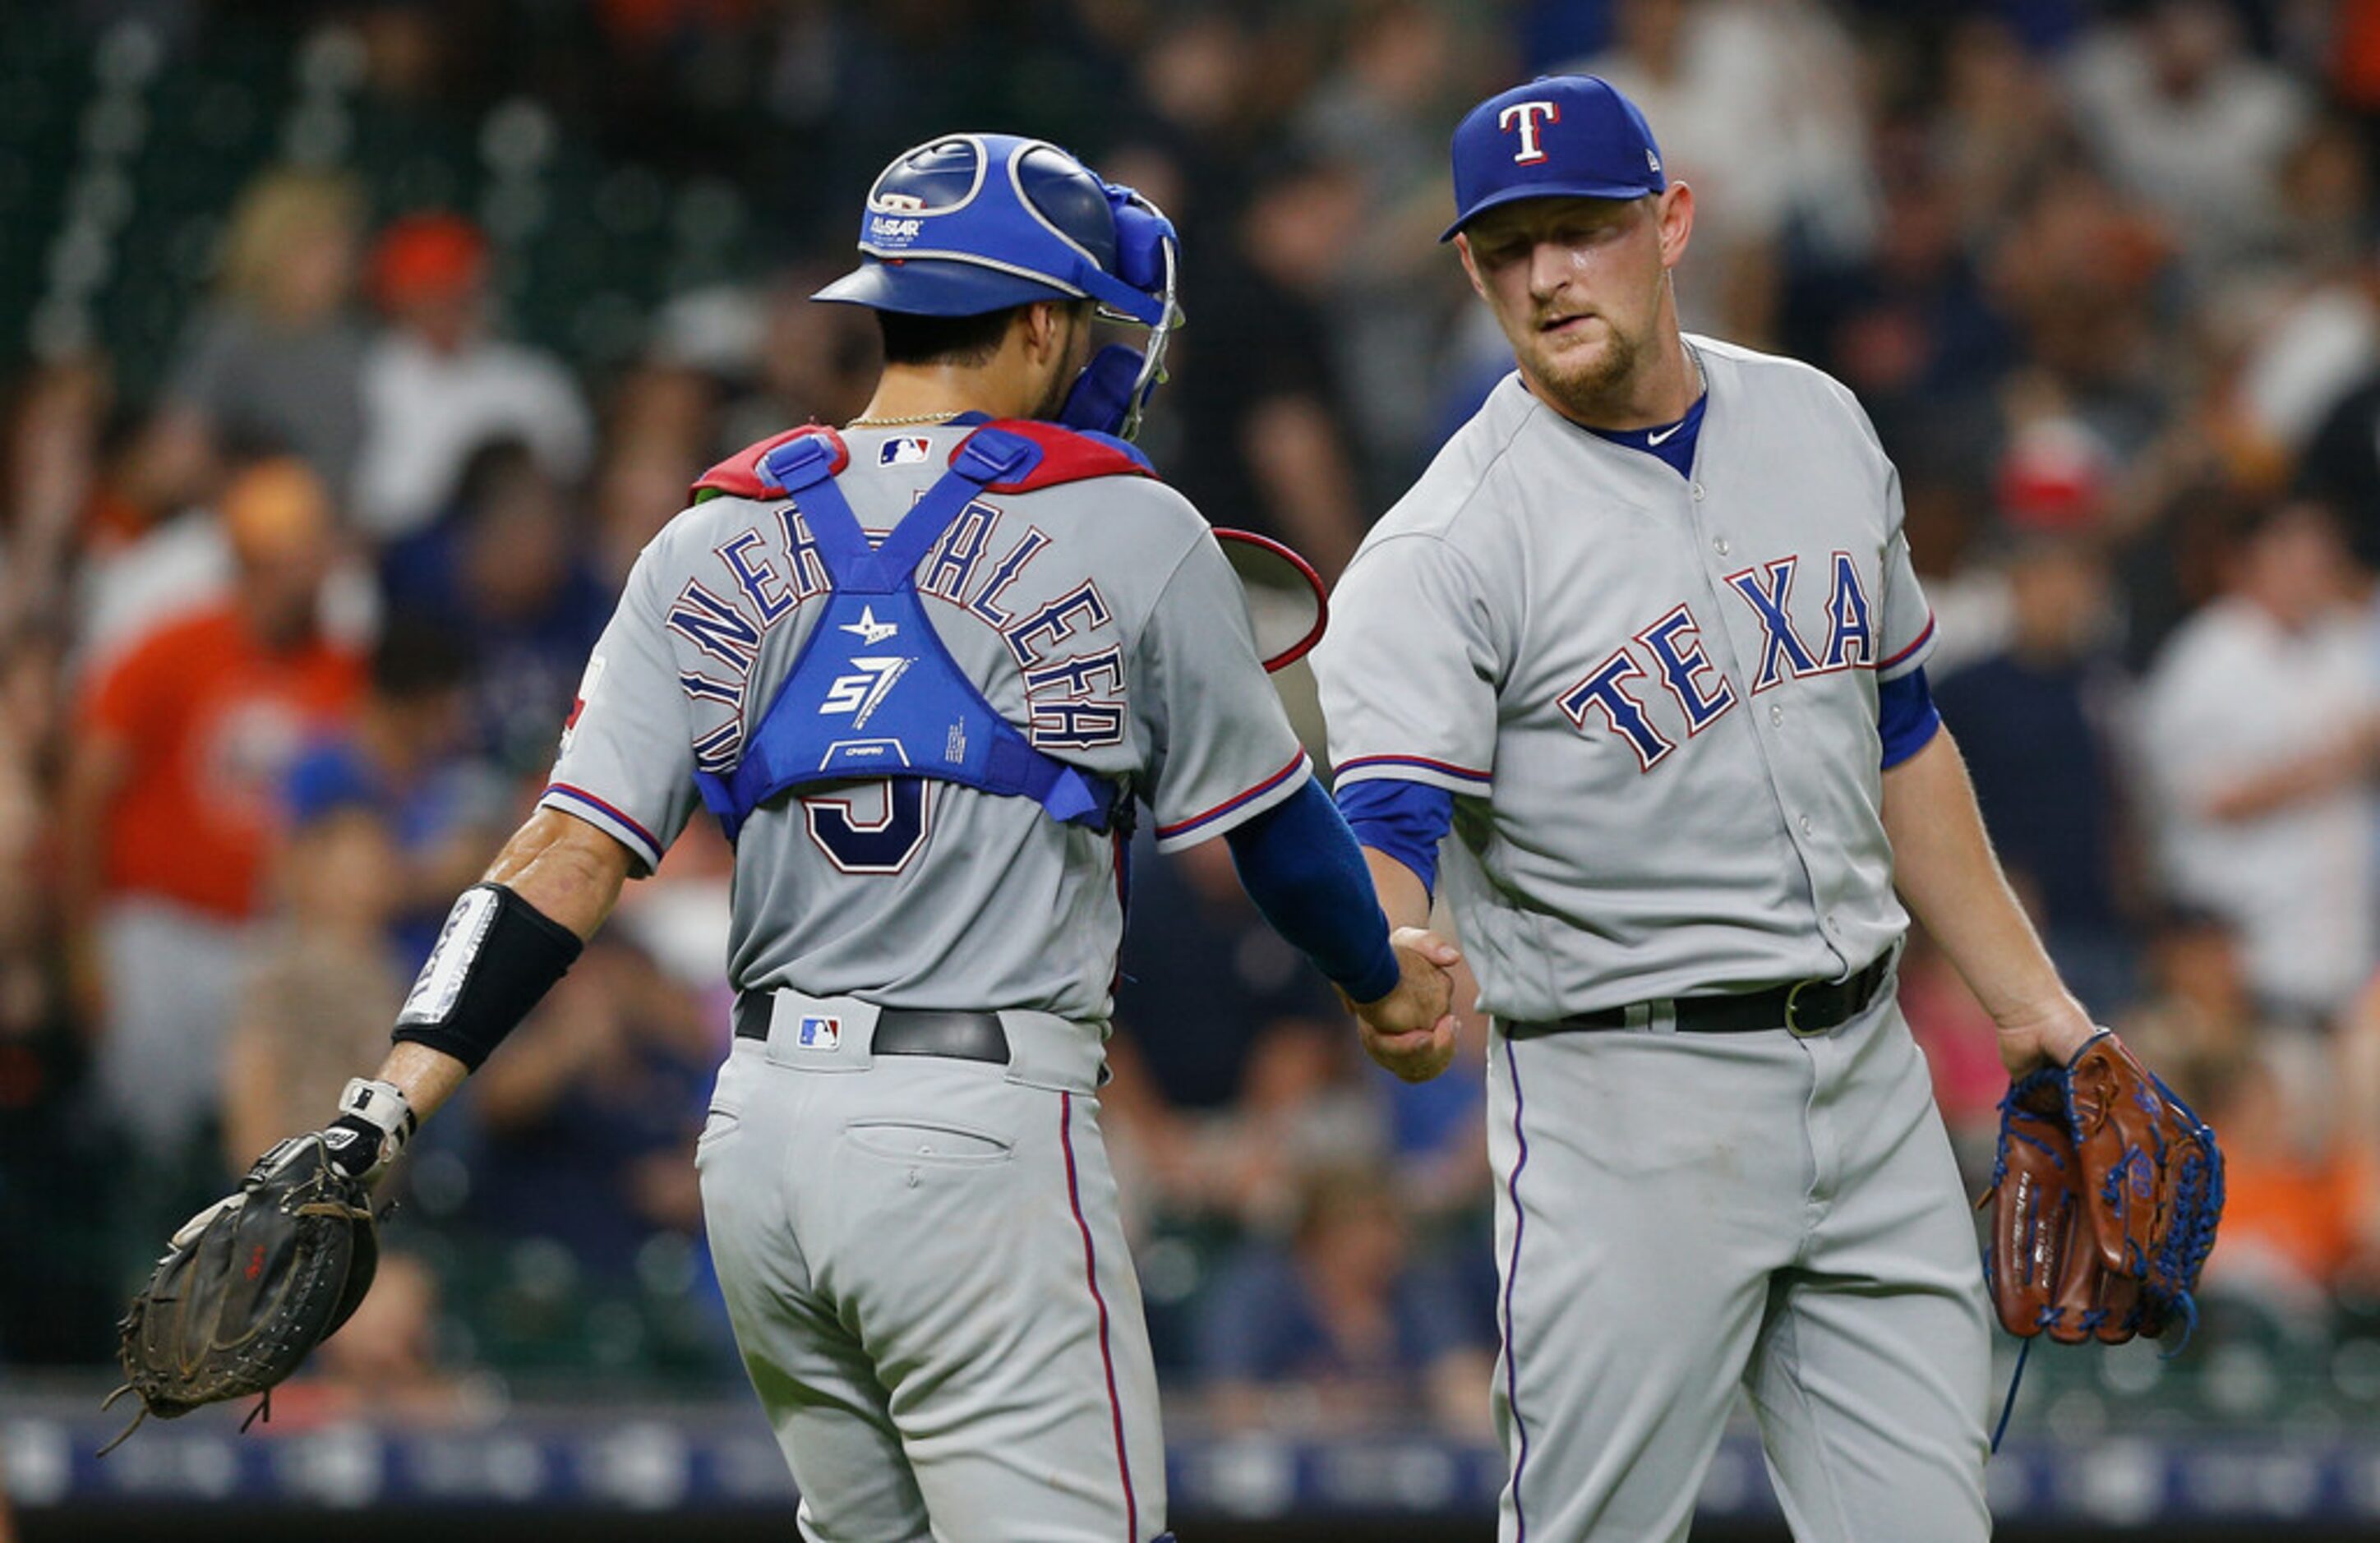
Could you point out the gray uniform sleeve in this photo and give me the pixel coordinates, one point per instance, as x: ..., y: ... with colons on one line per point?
x: 1907, y: 634
x: 1409, y: 668
x: 626, y: 765
x: 1221, y: 750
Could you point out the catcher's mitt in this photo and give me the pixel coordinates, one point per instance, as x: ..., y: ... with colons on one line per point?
x: 2105, y: 1200
x: 249, y: 1285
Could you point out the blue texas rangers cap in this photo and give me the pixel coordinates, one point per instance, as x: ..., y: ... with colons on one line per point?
x: 1560, y: 136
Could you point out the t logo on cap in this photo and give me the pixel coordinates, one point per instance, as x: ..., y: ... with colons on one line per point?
x: 1529, y: 114
x: 1604, y: 148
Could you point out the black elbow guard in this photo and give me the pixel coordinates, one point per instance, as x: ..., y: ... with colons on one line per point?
x: 495, y: 958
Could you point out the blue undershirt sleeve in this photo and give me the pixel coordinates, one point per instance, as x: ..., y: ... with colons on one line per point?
x: 1906, y: 718
x: 1404, y: 820
x: 1300, y: 864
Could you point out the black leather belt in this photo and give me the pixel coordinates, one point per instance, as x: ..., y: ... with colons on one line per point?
x: 1803, y: 1007
x: 899, y: 1031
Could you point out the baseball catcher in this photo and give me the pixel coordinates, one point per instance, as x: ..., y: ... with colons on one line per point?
x: 251, y: 1283
x: 2105, y: 1199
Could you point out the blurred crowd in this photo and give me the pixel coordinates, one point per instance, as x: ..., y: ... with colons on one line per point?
x: 289, y: 622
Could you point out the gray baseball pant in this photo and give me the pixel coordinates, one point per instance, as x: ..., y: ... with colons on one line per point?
x: 928, y: 1283
x: 1678, y: 1214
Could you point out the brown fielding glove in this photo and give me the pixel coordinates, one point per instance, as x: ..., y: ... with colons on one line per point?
x: 2104, y: 1200
x: 250, y: 1284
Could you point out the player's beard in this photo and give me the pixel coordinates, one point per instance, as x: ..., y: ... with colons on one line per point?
x: 1589, y: 383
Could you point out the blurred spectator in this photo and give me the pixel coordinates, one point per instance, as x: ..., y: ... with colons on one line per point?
x: 1235, y: 1069
x: 2260, y: 724
x: 172, y: 796
x: 1962, y: 1051
x: 274, y: 362
x: 400, y: 759
x: 2302, y: 1188
x: 436, y: 387
x: 1402, y: 78
x: 663, y: 426
x: 57, y: 1301
x: 1747, y: 102
x: 2341, y: 464
x: 1204, y: 978
x: 1438, y: 1130
x: 2075, y: 267
x: 1911, y: 330
x: 772, y: 356
x: 52, y: 457
x: 2031, y: 721
x: 322, y: 984
x: 2315, y: 329
x: 383, y: 1365
x: 2197, y: 1008
x: 1262, y: 443
x: 1345, y: 1330
x: 1998, y: 122
x: 592, y: 1110
x: 512, y: 572
x: 2183, y: 117
x: 1307, y: 1099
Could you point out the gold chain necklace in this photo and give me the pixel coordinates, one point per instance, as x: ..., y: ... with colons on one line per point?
x: 941, y: 417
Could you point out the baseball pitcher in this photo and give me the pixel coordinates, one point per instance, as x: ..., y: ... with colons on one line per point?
x: 1645, y: 642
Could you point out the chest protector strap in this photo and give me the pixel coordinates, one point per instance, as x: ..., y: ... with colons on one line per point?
x: 873, y: 692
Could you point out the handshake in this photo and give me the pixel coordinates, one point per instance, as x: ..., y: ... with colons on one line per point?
x: 1411, y: 1031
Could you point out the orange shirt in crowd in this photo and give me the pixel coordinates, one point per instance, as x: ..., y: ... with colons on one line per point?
x: 2307, y: 1212
x: 212, y: 721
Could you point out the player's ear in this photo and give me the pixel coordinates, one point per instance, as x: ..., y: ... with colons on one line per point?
x: 1470, y: 269
x: 1049, y: 326
x: 1674, y: 208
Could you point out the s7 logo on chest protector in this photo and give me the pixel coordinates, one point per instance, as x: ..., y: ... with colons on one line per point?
x: 1701, y: 689
x: 862, y: 692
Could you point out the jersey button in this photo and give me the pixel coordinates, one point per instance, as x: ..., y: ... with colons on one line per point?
x: 1806, y: 826
x: 1776, y: 715
x: 1697, y: 490
x: 1722, y: 546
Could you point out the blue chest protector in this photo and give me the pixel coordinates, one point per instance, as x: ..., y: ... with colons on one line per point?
x: 873, y: 692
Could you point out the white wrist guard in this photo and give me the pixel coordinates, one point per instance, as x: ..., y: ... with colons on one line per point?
x: 371, y: 1113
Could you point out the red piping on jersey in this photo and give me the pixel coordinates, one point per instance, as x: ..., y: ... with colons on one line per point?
x: 1423, y: 761
x: 1091, y: 1274
x: 1916, y: 643
x: 653, y: 848
x: 1228, y: 805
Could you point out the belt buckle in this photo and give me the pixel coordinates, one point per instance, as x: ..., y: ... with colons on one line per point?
x: 1793, y: 1005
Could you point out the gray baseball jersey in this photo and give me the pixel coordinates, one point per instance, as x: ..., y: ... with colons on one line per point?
x: 1653, y: 697
x: 1099, y: 616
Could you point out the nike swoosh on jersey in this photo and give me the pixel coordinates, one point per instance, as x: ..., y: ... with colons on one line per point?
x: 1655, y: 439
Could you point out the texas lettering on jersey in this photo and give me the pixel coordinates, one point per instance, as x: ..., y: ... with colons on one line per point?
x: 772, y: 570
x: 1674, y: 646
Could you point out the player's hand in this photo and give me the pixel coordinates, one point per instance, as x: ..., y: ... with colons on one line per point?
x: 2051, y: 1039
x: 1411, y: 1031
x: 373, y: 1124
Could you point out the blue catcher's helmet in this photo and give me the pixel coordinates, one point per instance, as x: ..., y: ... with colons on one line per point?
x: 975, y: 223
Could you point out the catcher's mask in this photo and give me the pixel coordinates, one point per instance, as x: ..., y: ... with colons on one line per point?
x: 975, y: 223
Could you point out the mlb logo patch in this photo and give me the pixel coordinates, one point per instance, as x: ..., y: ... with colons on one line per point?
x: 902, y: 450
x: 819, y: 1034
